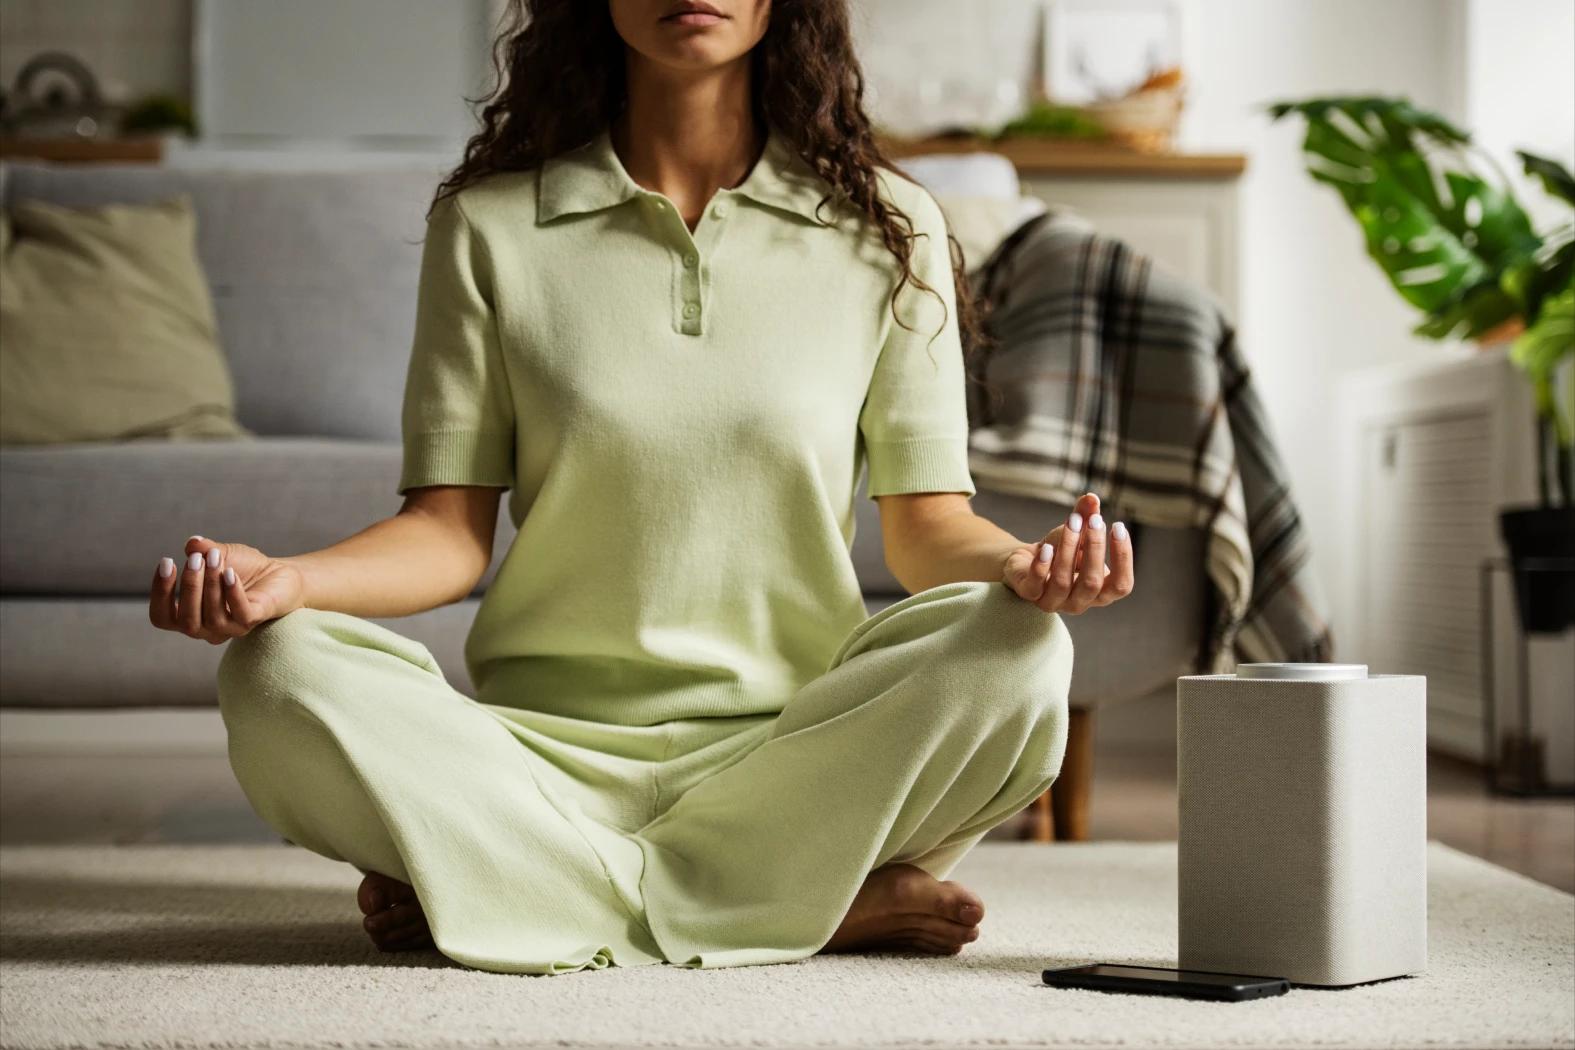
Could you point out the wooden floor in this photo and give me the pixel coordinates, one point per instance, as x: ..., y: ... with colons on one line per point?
x: 56, y: 797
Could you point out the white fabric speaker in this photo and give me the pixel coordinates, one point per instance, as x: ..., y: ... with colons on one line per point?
x: 1303, y: 823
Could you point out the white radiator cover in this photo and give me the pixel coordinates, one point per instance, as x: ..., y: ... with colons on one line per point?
x: 1432, y: 454
x: 1303, y: 827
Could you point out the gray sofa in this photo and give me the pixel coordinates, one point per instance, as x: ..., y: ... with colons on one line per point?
x: 314, y: 278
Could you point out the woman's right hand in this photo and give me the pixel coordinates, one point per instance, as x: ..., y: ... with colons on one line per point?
x: 220, y: 591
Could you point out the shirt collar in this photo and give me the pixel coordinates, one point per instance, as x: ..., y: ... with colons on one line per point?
x: 591, y: 177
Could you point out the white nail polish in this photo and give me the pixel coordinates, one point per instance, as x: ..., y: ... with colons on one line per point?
x: 213, y: 557
x: 166, y: 566
x: 195, y: 561
x: 1075, y: 522
x: 1046, y: 552
x: 193, y: 537
x: 229, y: 575
x: 1119, y: 530
x: 1096, y: 522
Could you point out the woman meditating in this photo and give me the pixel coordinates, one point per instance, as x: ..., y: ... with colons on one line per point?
x: 673, y: 301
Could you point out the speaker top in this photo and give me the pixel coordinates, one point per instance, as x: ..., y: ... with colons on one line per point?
x: 1302, y: 672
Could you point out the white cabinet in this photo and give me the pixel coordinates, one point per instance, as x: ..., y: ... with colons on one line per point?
x: 1181, y: 209
x: 1188, y: 225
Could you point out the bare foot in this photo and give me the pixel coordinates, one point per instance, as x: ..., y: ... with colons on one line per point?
x: 904, y: 908
x: 394, y: 919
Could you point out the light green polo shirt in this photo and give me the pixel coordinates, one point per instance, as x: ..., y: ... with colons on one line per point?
x: 682, y: 420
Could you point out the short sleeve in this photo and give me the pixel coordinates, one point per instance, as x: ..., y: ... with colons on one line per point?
x: 457, y: 419
x: 915, y: 415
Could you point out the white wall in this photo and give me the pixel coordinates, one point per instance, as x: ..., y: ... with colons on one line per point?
x: 1518, y: 85
x: 1314, y: 307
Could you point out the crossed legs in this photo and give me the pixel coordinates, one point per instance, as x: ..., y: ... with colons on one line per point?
x: 940, y: 717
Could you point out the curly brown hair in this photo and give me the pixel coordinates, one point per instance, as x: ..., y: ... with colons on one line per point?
x: 559, y: 68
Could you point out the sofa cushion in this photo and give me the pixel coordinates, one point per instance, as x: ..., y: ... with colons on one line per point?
x: 313, y: 276
x: 106, y: 327
x: 94, y: 519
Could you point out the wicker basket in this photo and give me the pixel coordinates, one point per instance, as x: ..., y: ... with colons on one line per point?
x: 1144, y: 120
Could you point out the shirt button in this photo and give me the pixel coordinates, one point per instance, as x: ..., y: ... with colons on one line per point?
x: 719, y: 209
x: 691, y: 309
x: 691, y: 260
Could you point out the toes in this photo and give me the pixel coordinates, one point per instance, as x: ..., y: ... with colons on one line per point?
x: 962, y: 904
x: 379, y: 891
x: 399, y: 927
x: 916, y: 890
x: 375, y: 925
x: 396, y: 918
x: 369, y: 896
x: 941, y: 929
x: 401, y: 892
x: 404, y: 915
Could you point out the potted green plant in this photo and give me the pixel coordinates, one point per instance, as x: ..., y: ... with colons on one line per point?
x: 1456, y: 244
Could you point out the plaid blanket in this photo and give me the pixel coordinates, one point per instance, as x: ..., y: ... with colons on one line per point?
x: 1108, y: 375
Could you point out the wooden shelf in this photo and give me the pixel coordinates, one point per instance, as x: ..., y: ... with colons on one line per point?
x: 1071, y: 157
x: 149, y: 149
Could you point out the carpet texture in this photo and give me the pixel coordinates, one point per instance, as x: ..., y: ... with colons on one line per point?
x: 258, y: 946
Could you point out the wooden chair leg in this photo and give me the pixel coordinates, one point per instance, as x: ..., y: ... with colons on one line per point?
x: 1070, y: 793
x: 1038, y: 821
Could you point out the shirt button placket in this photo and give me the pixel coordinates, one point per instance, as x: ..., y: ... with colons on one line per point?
x: 689, y: 306
x: 687, y: 302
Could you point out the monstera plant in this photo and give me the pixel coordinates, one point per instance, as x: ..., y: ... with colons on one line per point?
x: 1441, y: 222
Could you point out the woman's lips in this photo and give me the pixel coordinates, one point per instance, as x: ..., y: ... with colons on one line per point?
x: 693, y: 18
x: 693, y: 13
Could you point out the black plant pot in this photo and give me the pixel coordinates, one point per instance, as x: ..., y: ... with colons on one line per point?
x: 1542, y: 537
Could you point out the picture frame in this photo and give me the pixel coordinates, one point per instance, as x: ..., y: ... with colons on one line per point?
x: 1096, y: 50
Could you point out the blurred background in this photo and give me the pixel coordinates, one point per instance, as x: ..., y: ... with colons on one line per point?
x: 1148, y: 117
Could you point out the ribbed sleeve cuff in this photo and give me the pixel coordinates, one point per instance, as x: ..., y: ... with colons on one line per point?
x: 919, y: 465
x: 458, y: 457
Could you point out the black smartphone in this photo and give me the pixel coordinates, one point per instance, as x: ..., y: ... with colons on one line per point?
x: 1153, y: 980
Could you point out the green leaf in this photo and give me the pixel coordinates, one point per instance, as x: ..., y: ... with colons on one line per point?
x: 1052, y: 121
x: 1427, y: 264
x: 1530, y: 281
x: 1541, y: 351
x: 1488, y: 221
x: 1554, y: 176
x: 1445, y: 237
x: 1480, y: 308
x: 1396, y: 113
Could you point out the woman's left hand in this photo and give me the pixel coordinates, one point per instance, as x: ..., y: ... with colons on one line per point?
x: 1066, y: 572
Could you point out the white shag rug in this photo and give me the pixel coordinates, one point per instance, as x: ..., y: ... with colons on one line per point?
x: 159, y: 947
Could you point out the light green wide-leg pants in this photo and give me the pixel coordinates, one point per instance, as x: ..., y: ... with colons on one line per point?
x: 538, y: 843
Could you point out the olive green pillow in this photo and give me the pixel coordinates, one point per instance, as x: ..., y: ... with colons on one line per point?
x: 107, y: 330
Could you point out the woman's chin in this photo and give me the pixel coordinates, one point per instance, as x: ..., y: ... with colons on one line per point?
x: 692, y: 52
